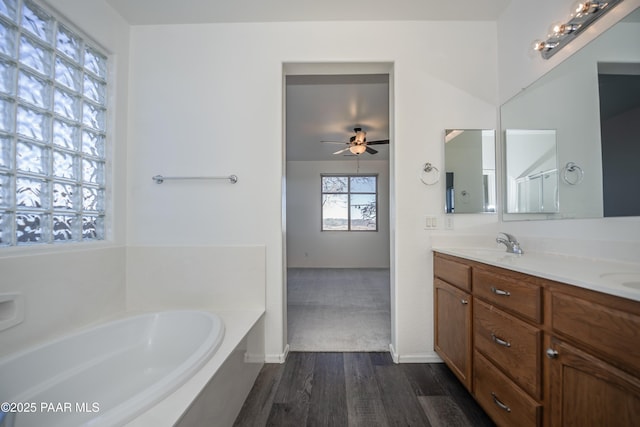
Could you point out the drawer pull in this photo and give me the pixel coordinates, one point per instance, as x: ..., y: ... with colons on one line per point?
x: 551, y: 353
x: 464, y: 301
x: 500, y: 404
x: 500, y: 292
x: 500, y: 341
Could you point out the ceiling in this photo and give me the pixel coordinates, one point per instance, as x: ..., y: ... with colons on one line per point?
x: 319, y: 107
x: 152, y: 12
x: 328, y: 107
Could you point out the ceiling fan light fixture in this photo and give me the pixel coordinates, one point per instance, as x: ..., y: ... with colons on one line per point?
x: 358, y: 149
x: 361, y: 136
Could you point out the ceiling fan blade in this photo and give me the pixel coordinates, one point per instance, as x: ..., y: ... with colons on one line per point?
x: 371, y: 150
x: 379, y: 142
x: 334, y: 142
x: 342, y: 151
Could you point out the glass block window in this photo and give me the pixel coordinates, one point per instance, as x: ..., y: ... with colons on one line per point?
x: 53, y: 108
x: 349, y: 202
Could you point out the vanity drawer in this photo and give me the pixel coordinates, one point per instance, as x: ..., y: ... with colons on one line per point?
x: 505, y: 402
x: 612, y: 332
x: 513, y: 345
x: 453, y: 272
x: 510, y: 292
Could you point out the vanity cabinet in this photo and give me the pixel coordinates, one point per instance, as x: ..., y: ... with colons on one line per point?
x: 453, y: 317
x: 539, y: 352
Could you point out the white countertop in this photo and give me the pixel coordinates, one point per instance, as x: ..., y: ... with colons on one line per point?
x: 610, y: 277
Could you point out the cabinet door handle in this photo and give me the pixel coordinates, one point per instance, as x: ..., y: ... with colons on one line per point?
x: 500, y: 292
x: 551, y: 353
x: 500, y: 404
x: 500, y: 341
x: 464, y: 301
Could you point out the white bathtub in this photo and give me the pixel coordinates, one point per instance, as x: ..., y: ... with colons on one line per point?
x: 110, y: 373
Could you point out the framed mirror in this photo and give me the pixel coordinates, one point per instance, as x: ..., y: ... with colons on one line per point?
x: 593, y: 149
x: 470, y: 171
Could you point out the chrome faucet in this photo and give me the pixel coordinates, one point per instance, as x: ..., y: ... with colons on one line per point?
x: 513, y: 247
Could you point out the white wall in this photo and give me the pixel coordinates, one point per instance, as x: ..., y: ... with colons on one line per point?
x: 208, y: 100
x: 307, y: 246
x: 67, y: 286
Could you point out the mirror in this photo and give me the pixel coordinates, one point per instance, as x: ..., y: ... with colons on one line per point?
x: 470, y: 170
x: 572, y: 100
x: 532, y: 171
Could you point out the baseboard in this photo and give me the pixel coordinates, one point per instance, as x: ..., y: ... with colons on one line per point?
x: 277, y: 358
x: 414, y: 358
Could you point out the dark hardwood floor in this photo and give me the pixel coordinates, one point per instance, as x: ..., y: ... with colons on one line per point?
x: 358, y: 389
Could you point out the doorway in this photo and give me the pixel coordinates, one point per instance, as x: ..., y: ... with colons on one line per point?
x: 338, y: 281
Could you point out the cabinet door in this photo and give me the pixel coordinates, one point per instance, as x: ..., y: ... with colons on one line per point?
x: 586, y: 391
x: 453, y: 329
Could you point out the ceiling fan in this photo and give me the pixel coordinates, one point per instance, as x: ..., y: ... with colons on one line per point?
x: 358, y: 143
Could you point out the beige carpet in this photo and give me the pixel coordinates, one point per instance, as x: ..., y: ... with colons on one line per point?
x: 338, y: 309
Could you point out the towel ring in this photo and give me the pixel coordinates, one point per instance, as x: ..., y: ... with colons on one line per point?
x: 572, y: 168
x: 429, y: 169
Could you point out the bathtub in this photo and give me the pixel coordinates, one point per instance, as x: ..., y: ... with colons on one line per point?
x: 108, y: 374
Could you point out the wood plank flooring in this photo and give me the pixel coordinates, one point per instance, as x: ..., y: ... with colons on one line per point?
x: 358, y: 389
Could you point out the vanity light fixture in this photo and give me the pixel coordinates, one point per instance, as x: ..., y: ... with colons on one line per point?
x: 583, y: 14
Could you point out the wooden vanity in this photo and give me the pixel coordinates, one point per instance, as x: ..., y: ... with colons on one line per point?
x: 537, y: 352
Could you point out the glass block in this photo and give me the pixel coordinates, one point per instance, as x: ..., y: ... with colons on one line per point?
x: 92, y: 199
x: 68, y: 75
x: 35, y: 57
x: 95, y: 63
x: 93, y: 227
x: 93, y: 144
x: 6, y: 153
x: 31, y: 157
x: 5, y: 228
x: 7, y: 40
x: 68, y: 43
x: 334, y: 184
x: 30, y: 227
x: 6, y: 115
x: 94, y: 89
x: 65, y: 135
x: 33, y: 90
x: 93, y: 116
x: 335, y: 212
x: 8, y: 8
x: 92, y: 171
x: 31, y: 193
x: 66, y: 105
x: 363, y: 184
x: 363, y: 212
x: 32, y: 124
x: 64, y: 165
x: 64, y: 196
x: 7, y: 77
x: 63, y: 226
x: 36, y: 21
x: 5, y: 191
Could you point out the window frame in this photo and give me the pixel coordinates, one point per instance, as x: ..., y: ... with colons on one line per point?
x: 349, y: 205
x: 82, y: 223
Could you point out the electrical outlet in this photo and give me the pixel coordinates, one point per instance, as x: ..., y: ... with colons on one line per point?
x: 448, y: 222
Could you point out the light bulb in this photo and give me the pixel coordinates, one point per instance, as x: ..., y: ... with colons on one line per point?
x: 564, y: 29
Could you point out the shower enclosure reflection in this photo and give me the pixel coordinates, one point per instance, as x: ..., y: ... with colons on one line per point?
x: 532, y: 171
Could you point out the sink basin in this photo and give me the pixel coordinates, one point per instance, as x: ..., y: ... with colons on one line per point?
x: 626, y: 279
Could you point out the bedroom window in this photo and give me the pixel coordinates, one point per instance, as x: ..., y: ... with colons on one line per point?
x: 349, y: 202
x: 53, y: 86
